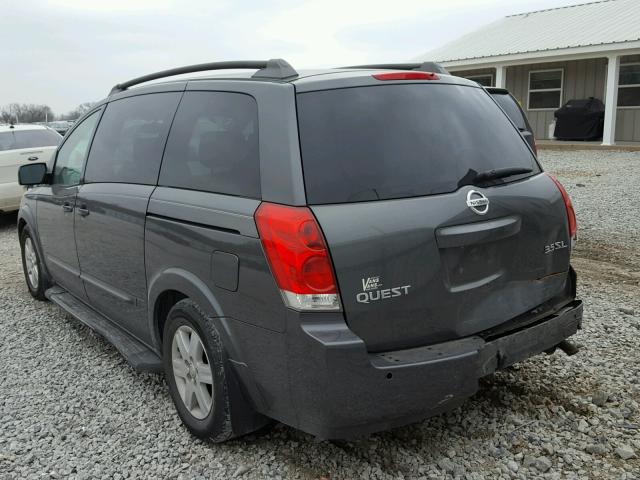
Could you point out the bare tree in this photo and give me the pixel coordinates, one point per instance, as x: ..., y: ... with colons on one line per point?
x: 78, y: 111
x: 25, y: 113
x: 29, y: 113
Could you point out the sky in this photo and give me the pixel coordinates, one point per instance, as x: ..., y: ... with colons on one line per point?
x: 66, y: 52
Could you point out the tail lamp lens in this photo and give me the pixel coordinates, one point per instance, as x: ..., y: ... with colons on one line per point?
x: 298, y: 256
x: 571, y: 213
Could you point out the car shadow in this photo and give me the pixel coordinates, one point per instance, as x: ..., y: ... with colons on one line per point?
x: 8, y: 220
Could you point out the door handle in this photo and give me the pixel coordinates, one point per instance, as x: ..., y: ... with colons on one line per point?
x: 32, y: 159
x: 83, y: 210
x: 67, y: 207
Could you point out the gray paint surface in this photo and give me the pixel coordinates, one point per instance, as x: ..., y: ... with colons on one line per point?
x: 110, y: 244
x: 55, y: 225
x: 459, y: 280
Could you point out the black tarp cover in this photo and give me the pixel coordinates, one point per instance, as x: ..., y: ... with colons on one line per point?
x: 580, y: 120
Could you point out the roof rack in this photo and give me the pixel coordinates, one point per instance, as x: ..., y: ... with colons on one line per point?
x: 423, y: 67
x: 275, y: 68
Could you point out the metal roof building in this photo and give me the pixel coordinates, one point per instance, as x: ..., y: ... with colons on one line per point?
x: 548, y: 57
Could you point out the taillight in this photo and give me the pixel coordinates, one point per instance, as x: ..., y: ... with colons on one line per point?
x: 571, y: 213
x: 406, y: 76
x: 298, y: 256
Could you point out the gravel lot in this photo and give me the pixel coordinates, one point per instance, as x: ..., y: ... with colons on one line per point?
x: 70, y: 407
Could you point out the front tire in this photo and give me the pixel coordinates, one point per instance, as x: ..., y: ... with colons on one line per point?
x: 194, y: 365
x: 32, y: 266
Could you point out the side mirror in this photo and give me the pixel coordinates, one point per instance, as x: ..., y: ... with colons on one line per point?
x: 32, y: 174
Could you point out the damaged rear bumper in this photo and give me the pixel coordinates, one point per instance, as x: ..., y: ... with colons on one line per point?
x: 340, y: 390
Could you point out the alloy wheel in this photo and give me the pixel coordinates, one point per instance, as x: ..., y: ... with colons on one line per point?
x: 192, y: 372
x: 31, y: 263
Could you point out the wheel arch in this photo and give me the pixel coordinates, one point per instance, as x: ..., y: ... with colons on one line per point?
x: 21, y: 224
x: 27, y: 217
x: 168, y: 288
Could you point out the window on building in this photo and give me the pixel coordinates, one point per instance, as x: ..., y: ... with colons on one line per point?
x: 629, y: 85
x: 545, y: 89
x: 484, y: 80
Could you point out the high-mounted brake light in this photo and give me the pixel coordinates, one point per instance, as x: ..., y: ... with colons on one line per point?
x: 298, y: 256
x: 571, y: 213
x: 406, y: 76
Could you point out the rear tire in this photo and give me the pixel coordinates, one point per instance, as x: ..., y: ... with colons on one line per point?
x: 195, y: 368
x: 34, y: 274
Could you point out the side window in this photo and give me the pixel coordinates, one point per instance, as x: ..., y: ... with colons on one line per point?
x: 37, y: 138
x: 130, y: 139
x: 73, y: 152
x: 512, y: 109
x: 213, y: 145
x: 7, y: 141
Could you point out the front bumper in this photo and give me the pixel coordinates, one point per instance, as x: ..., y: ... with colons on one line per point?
x: 340, y: 390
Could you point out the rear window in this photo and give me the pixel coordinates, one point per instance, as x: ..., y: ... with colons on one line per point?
x: 509, y: 105
x: 29, y: 139
x: 397, y: 141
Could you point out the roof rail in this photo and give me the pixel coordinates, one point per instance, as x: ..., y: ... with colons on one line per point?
x: 423, y: 67
x: 275, y: 68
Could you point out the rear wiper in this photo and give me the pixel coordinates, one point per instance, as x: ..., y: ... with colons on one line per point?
x: 501, y: 173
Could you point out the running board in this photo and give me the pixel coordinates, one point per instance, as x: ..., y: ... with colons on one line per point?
x: 139, y: 356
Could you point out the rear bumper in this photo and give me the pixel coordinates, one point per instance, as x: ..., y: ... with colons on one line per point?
x: 340, y: 390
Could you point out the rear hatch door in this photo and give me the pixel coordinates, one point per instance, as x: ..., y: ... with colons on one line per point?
x: 423, y: 250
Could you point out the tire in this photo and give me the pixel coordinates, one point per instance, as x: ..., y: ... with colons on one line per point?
x: 32, y: 266
x: 190, y: 378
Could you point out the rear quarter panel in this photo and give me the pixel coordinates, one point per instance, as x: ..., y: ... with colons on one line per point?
x: 192, y: 239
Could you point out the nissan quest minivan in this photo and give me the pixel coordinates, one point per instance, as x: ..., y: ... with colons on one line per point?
x: 342, y: 250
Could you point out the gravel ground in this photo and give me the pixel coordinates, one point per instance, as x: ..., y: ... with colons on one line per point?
x: 70, y: 407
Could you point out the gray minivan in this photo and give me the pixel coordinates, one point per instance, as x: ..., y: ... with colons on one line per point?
x: 342, y: 250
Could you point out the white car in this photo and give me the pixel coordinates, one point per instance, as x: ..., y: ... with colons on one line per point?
x: 20, y: 145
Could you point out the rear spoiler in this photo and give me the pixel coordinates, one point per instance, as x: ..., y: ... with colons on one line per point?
x: 501, y: 91
x: 422, y: 67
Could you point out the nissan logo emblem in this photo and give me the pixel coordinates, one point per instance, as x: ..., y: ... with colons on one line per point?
x: 477, y: 202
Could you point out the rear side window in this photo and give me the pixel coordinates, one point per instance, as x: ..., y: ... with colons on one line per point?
x: 128, y: 144
x: 213, y: 145
x: 396, y: 141
x: 37, y: 138
x: 509, y: 105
